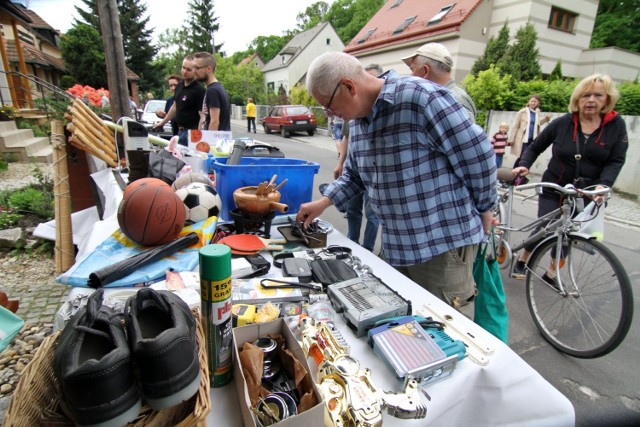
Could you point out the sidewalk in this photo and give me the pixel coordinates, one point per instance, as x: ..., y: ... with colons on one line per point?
x: 620, y: 210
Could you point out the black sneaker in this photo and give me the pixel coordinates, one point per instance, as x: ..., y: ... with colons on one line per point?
x: 162, y: 337
x: 93, y: 366
x: 520, y: 269
x: 551, y: 281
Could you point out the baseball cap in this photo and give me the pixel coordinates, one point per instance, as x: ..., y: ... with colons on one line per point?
x: 435, y: 51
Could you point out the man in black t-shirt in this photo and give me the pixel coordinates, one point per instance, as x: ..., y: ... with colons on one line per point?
x: 216, y: 110
x: 187, y: 103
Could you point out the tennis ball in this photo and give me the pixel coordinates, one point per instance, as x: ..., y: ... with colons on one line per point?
x: 598, y: 235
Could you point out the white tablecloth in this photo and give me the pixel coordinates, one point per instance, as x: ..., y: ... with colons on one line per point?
x: 507, y: 391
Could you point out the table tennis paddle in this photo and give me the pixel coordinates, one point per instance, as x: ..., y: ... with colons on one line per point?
x: 251, y: 243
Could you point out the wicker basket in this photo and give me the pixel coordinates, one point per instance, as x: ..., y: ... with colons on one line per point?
x: 36, y: 401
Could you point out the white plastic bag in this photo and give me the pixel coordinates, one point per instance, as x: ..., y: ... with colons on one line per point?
x: 592, y: 219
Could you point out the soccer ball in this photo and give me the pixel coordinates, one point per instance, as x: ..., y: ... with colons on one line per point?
x: 200, y: 200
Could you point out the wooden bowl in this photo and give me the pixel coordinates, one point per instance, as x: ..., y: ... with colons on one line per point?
x: 248, y: 201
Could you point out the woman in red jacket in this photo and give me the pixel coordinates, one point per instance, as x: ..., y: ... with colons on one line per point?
x: 591, y: 131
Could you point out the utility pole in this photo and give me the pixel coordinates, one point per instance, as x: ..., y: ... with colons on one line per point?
x: 114, y: 55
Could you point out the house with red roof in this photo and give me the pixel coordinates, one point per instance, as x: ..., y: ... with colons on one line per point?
x: 564, y: 32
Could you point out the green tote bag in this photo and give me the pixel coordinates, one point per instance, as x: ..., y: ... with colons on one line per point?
x: 491, y: 302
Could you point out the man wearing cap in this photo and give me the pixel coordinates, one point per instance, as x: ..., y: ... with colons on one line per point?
x: 429, y: 172
x: 433, y: 62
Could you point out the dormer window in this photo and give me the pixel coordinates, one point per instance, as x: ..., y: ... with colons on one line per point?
x: 440, y: 15
x: 404, y: 25
x: 366, y: 36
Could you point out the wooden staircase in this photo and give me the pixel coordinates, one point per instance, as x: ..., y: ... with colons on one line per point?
x: 23, y: 145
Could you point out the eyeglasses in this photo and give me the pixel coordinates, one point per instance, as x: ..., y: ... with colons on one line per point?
x: 328, y: 109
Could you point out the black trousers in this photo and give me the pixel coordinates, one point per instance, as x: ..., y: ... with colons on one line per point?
x: 251, y: 121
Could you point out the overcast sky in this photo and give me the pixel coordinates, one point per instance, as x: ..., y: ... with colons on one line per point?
x: 240, y: 20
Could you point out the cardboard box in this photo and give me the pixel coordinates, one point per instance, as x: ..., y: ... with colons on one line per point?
x: 313, y: 417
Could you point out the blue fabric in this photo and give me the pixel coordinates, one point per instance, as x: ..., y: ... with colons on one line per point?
x: 118, y: 247
x: 429, y: 171
x: 532, y: 126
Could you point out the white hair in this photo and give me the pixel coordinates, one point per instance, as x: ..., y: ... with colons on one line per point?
x: 327, y: 69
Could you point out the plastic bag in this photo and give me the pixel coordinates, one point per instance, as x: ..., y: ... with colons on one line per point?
x: 10, y: 325
x: 592, y: 220
x: 491, y: 302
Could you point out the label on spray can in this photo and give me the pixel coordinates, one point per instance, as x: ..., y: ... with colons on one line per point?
x: 215, y: 295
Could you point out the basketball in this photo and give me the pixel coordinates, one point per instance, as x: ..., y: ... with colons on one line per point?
x: 142, y: 181
x: 151, y: 215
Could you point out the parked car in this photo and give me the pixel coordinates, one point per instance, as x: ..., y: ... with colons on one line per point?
x: 290, y: 118
x: 148, y: 118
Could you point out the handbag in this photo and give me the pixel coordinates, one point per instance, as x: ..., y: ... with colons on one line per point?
x: 491, y: 302
x: 164, y: 165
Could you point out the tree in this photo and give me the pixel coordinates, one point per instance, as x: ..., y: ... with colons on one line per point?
x: 267, y: 47
x: 241, y: 81
x: 81, y: 49
x: 616, y: 25
x: 348, y: 17
x: 312, y: 16
x: 201, y: 26
x: 490, y: 90
x: 136, y: 38
x: 138, y: 50
x: 494, y: 51
x: 556, y: 73
x: 522, y: 58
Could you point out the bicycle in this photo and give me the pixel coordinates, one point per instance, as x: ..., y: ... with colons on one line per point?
x: 581, y: 301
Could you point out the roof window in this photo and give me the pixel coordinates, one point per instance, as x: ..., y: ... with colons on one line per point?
x: 440, y: 15
x: 366, y: 36
x: 404, y: 25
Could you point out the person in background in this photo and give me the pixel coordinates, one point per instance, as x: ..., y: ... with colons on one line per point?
x: 251, y: 115
x: 589, y: 149
x: 104, y: 100
x: 355, y: 205
x: 173, y: 81
x: 429, y: 172
x: 433, y: 61
x: 337, y: 123
x: 187, y: 102
x: 134, y: 107
x: 499, y: 142
x: 526, y: 127
x: 216, y: 109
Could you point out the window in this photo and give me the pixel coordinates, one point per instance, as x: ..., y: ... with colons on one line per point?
x: 562, y: 20
x: 366, y: 36
x: 440, y: 15
x: 404, y: 25
x: 328, y: 42
x: 396, y: 4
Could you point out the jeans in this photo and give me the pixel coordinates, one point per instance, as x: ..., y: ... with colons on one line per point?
x: 499, y: 158
x: 251, y: 121
x: 354, y: 221
x: 337, y: 131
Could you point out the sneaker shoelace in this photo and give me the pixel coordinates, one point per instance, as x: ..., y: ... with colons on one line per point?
x: 108, y: 318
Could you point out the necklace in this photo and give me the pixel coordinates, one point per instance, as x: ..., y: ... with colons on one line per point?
x: 586, y: 136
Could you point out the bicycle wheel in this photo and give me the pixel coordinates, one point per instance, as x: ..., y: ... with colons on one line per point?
x: 593, y: 314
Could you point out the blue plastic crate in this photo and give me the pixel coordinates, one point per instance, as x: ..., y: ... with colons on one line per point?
x: 253, y: 170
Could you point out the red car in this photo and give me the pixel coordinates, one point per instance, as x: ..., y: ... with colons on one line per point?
x: 290, y: 118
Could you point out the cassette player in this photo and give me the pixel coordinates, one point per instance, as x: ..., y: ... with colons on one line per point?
x: 364, y: 300
x: 410, y: 351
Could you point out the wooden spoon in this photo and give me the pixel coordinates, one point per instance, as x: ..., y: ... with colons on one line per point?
x: 281, y: 184
x: 261, y: 188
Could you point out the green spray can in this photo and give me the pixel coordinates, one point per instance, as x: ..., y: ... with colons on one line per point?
x: 215, y: 296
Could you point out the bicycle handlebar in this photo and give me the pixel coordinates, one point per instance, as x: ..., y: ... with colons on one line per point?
x: 567, y: 190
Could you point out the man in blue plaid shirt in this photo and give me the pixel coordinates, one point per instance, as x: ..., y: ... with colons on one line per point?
x: 430, y: 173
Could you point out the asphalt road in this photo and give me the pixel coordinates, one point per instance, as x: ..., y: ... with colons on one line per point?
x: 604, y: 391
